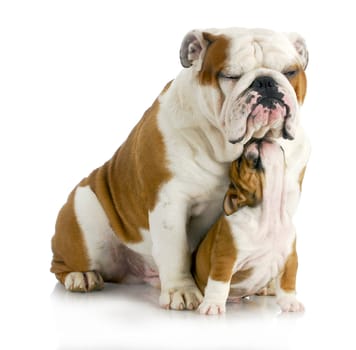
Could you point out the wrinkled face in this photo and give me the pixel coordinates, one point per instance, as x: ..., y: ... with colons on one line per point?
x: 252, y: 81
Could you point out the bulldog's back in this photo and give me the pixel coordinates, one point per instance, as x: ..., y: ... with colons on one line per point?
x: 111, y: 205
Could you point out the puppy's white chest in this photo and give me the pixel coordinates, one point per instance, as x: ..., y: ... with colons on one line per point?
x: 261, y: 253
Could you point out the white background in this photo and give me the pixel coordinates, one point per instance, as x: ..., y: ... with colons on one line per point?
x: 75, y: 77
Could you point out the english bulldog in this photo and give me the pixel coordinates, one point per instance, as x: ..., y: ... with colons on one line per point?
x: 141, y: 214
x: 254, y: 242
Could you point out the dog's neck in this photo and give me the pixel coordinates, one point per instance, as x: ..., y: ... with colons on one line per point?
x: 274, y: 216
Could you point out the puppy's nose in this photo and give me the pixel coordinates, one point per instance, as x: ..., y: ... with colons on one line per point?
x: 264, y: 83
x: 252, y: 155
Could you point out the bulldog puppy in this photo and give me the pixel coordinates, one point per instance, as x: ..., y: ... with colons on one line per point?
x: 141, y: 214
x: 254, y: 242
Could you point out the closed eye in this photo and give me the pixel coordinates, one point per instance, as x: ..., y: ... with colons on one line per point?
x: 291, y: 73
x: 229, y: 76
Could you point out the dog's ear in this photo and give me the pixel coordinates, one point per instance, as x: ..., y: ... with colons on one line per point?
x: 234, y: 199
x: 193, y: 49
x: 301, y: 48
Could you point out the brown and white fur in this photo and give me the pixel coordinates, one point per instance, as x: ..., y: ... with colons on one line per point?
x: 141, y: 214
x: 255, y: 242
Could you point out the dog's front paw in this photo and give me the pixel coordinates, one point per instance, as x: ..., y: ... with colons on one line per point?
x: 289, y: 303
x: 211, y: 308
x: 181, y: 298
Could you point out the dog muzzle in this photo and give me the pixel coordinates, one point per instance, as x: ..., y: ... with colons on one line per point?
x: 265, y: 108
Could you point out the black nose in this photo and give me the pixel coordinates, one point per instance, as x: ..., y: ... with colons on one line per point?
x: 263, y: 83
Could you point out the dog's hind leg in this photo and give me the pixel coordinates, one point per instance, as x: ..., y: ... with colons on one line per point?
x: 86, y: 252
x: 81, y: 281
x: 71, y: 261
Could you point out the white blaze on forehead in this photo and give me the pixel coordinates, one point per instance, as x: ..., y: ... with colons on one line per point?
x: 254, y: 48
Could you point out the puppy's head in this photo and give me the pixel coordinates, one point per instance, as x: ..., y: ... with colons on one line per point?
x: 247, y: 178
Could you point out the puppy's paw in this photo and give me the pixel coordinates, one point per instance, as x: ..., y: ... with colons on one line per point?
x: 181, y: 298
x: 211, y: 308
x: 83, y: 281
x: 289, y: 303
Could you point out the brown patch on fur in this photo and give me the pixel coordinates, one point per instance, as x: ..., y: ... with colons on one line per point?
x: 289, y: 275
x: 246, y: 186
x: 68, y: 246
x: 216, y: 255
x: 299, y: 83
x: 214, y: 59
x: 126, y: 186
x: 301, y: 178
x: 241, y: 275
x: 165, y: 89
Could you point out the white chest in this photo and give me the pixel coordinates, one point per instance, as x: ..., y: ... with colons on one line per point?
x: 261, y: 254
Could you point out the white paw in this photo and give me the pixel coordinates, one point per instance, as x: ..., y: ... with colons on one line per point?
x: 180, y: 298
x: 211, y: 308
x: 83, y: 281
x: 289, y: 303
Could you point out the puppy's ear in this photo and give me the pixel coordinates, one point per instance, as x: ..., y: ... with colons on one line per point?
x: 193, y: 49
x: 301, y: 48
x: 233, y: 200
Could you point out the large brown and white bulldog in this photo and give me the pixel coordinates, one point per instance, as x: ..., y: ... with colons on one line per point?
x: 255, y: 242
x: 141, y: 214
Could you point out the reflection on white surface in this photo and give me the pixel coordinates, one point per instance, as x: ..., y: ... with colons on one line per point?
x: 128, y: 317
